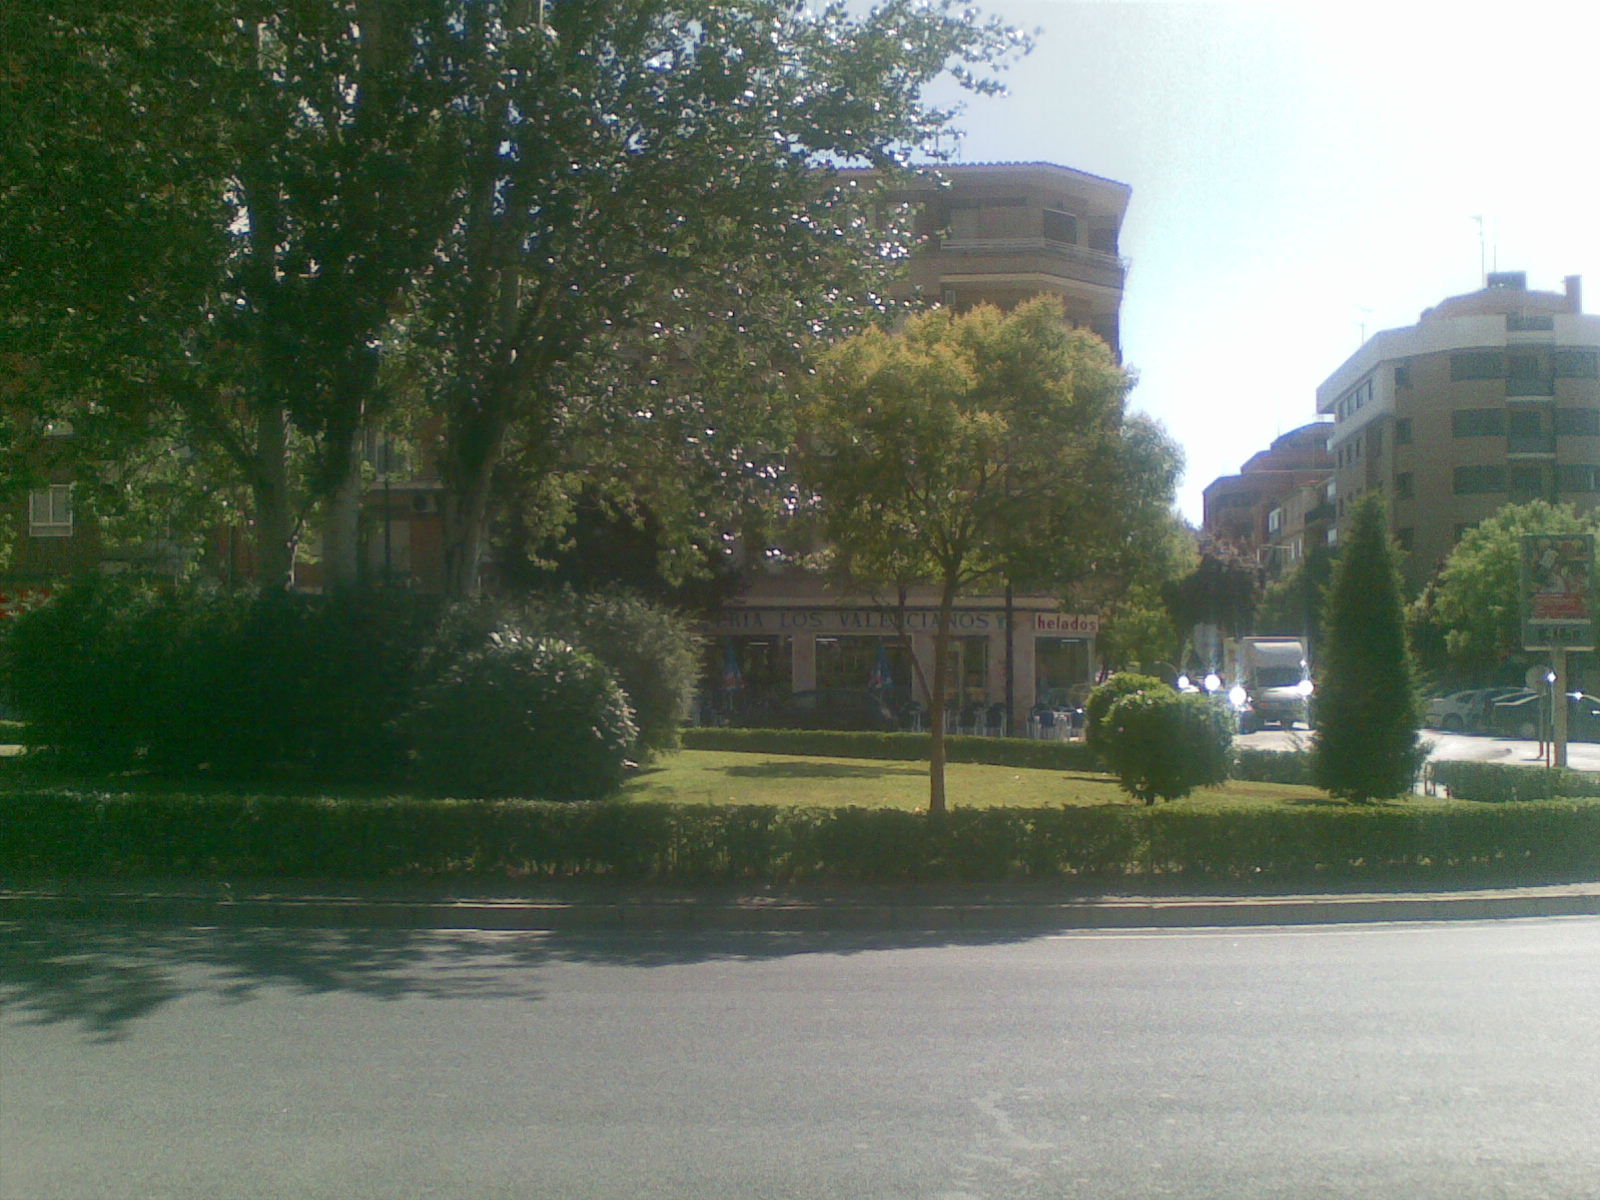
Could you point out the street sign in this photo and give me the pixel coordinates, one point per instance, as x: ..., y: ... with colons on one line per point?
x: 1557, y: 591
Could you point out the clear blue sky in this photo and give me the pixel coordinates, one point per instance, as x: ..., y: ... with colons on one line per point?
x: 1301, y: 171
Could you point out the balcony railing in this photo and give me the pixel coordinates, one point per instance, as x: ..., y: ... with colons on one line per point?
x: 1035, y: 245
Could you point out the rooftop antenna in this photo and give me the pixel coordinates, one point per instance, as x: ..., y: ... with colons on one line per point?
x: 1483, y: 277
x: 1362, y: 323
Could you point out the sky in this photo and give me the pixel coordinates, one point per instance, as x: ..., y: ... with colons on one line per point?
x: 1305, y: 174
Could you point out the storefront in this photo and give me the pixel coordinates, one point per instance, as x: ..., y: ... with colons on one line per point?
x: 755, y: 648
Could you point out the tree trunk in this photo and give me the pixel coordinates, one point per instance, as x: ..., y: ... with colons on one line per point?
x: 466, y: 517
x: 341, y: 537
x: 277, y: 531
x: 941, y: 671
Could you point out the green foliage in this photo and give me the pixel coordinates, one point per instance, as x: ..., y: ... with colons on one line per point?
x: 1292, y: 606
x: 522, y: 716
x: 1491, y: 781
x: 1271, y: 766
x: 1223, y: 591
x: 60, y: 832
x: 652, y: 652
x: 910, y: 747
x: 973, y: 447
x: 120, y: 673
x: 1366, y: 707
x: 1123, y: 683
x: 1136, y: 630
x: 1474, y: 602
x: 1162, y: 745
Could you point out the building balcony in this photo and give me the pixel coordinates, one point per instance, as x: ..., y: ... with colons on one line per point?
x: 1033, y: 247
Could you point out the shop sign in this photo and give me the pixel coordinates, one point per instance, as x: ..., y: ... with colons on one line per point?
x: 1558, y: 591
x: 1066, y: 624
x: 882, y: 622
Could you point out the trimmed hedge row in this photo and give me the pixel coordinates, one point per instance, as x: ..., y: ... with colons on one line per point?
x: 1490, y: 781
x: 55, y: 832
x: 908, y: 747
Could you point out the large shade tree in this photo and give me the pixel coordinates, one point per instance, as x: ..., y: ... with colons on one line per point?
x: 280, y: 195
x: 1473, y: 602
x: 966, y: 448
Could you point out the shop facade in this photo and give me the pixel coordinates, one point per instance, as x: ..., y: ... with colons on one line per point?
x: 771, y: 646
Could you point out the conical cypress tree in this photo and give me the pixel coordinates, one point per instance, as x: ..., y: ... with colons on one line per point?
x: 1366, y: 706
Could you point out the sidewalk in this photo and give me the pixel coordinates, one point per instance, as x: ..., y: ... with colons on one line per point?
x: 620, y: 909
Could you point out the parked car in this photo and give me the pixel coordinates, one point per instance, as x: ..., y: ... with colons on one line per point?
x: 822, y: 708
x: 1467, y: 711
x: 1522, y: 713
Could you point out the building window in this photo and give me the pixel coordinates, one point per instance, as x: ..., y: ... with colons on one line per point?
x: 1577, y: 477
x: 1478, y: 422
x: 1476, y: 480
x: 1522, y: 366
x: 1527, y: 483
x: 1578, y: 422
x: 1402, y: 485
x: 1402, y: 377
x: 1060, y: 226
x: 1478, y: 364
x: 1576, y: 364
x: 1275, y: 520
x: 1402, y: 431
x: 50, y: 511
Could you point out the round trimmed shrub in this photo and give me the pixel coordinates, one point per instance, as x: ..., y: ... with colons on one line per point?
x: 1123, y: 683
x: 522, y: 716
x: 1162, y: 745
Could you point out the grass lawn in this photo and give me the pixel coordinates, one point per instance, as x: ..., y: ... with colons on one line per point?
x: 718, y: 777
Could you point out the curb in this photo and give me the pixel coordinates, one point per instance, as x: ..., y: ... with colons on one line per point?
x: 795, y: 916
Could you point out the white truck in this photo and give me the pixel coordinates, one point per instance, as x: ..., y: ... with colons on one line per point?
x: 1268, y: 681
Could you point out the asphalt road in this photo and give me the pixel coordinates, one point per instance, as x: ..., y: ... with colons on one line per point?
x: 1455, y: 1061
x: 1581, y: 756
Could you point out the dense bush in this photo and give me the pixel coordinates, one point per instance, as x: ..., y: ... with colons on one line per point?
x: 522, y: 716
x: 1507, y: 781
x: 1112, y: 845
x: 117, y: 673
x: 1271, y: 766
x: 1162, y: 746
x: 908, y: 747
x: 652, y: 652
x: 1123, y: 683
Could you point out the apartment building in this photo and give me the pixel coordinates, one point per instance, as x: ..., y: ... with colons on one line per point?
x: 1247, y: 510
x: 1002, y: 233
x: 1490, y: 398
x: 997, y: 233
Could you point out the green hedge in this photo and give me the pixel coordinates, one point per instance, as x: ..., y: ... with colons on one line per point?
x: 57, y: 832
x: 909, y: 747
x: 1507, y: 781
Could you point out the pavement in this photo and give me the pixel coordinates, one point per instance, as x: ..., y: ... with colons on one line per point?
x: 598, y: 908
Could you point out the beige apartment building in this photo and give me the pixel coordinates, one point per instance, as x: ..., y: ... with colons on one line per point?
x: 999, y: 233
x: 1490, y: 398
x: 1246, y: 510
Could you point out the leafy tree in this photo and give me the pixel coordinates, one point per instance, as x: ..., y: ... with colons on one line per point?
x: 636, y: 162
x: 961, y: 447
x: 1163, y: 745
x: 1366, y: 739
x: 1222, y: 591
x: 1474, y: 601
x: 1292, y: 606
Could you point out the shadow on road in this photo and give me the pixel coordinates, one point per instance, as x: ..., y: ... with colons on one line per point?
x: 107, y: 977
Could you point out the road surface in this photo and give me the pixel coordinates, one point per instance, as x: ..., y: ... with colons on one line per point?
x: 1454, y: 1061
